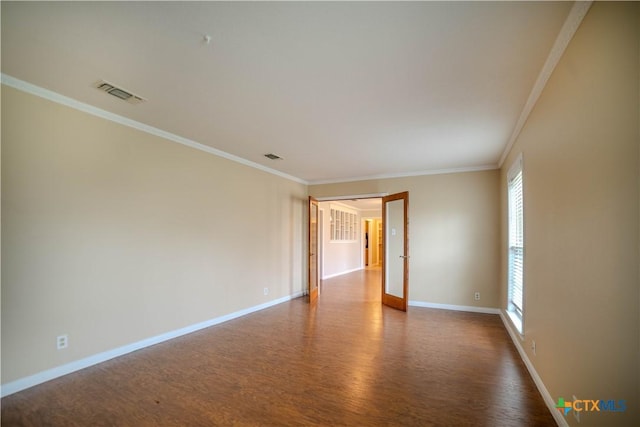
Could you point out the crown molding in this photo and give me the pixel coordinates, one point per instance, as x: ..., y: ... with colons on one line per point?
x: 351, y: 197
x: 406, y: 174
x: 98, y: 112
x: 569, y: 28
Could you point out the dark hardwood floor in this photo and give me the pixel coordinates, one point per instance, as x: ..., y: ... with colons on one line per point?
x: 346, y: 361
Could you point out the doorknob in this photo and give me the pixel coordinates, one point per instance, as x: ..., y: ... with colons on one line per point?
x: 403, y: 256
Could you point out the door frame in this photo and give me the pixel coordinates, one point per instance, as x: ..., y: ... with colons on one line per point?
x: 320, y: 249
x: 389, y: 299
x: 337, y: 199
x: 312, y: 248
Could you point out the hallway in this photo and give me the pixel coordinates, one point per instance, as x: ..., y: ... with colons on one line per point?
x: 345, y: 361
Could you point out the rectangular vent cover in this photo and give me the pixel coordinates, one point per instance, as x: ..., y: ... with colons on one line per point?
x: 273, y: 156
x: 118, y: 92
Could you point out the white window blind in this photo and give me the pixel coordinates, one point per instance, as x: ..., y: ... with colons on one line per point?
x: 516, y: 239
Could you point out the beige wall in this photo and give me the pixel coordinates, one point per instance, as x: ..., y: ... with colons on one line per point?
x: 112, y: 235
x: 580, y: 150
x: 453, y: 233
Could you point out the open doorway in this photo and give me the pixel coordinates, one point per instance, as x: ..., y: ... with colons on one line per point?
x: 350, y: 239
x: 372, y: 244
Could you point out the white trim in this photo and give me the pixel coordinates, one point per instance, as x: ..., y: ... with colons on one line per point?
x: 571, y: 24
x: 548, y: 400
x: 516, y: 338
x: 516, y: 322
x: 50, y: 374
x: 406, y: 174
x: 342, y: 273
x: 98, y: 112
x: 351, y: 208
x: 86, y: 108
x: 357, y: 196
x: 515, y: 167
x: 469, y: 308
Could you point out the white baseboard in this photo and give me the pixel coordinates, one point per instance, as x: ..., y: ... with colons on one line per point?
x: 50, y: 374
x: 546, y: 396
x: 342, y: 273
x: 473, y: 309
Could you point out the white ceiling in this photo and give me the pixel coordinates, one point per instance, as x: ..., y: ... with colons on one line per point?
x: 339, y: 89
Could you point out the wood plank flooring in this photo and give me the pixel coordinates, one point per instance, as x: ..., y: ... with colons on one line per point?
x: 347, y: 361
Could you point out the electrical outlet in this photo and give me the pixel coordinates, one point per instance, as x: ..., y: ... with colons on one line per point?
x: 62, y: 342
x: 533, y: 346
x: 266, y: 291
x: 477, y: 296
x: 576, y: 414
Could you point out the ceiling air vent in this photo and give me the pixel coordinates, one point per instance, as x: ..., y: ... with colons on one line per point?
x: 118, y: 92
x: 273, y: 156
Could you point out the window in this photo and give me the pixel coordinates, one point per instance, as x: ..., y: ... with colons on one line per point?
x: 343, y: 225
x: 515, y: 306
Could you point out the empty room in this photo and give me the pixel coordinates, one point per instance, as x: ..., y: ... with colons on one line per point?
x: 320, y: 213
